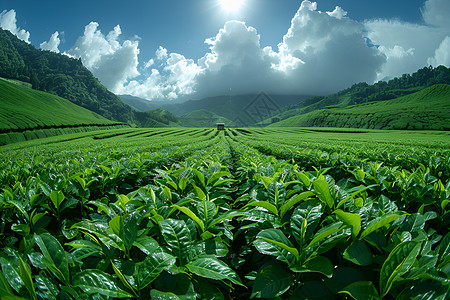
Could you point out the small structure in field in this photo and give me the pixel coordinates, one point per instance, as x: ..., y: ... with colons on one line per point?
x: 220, y: 126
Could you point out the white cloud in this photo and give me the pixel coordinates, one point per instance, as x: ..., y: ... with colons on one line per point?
x: 8, y: 22
x: 161, y: 53
x: 112, y: 62
x: 321, y: 52
x: 436, y: 13
x: 409, y: 47
x: 52, y: 44
x: 442, y: 54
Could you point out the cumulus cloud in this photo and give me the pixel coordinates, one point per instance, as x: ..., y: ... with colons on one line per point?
x: 112, y: 62
x: 442, y: 54
x: 435, y: 12
x: 8, y: 22
x: 52, y: 44
x: 321, y: 52
x: 409, y: 46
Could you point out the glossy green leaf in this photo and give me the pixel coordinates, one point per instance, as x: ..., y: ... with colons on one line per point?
x: 322, y: 188
x: 191, y: 215
x: 95, y: 281
x: 305, y: 219
x: 317, y: 264
x: 213, y: 268
x: 361, y: 290
x: 123, y: 279
x: 117, y: 226
x: 199, y: 192
x: 304, y: 179
x: 264, y: 204
x: 177, y: 236
x: 398, y: 262
x: 359, y: 253
x: 25, y: 275
x: 206, y: 210
x: 200, y: 176
x: 326, y: 232
x: 274, y: 242
x: 54, y: 256
x: 216, y: 176
x: 152, y: 266
x: 271, y: 281
x: 350, y: 219
x: 294, y: 200
x: 57, y: 198
x: 380, y: 222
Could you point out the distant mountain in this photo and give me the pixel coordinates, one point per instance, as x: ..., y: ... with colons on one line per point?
x: 203, y: 118
x: 63, y: 76
x: 241, y: 110
x: 139, y: 103
x: 364, y: 93
x: 426, y: 109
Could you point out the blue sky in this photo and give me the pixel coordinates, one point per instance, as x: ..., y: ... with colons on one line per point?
x: 186, y: 66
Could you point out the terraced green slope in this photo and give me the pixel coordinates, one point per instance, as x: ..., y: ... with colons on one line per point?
x: 22, y: 108
x: 426, y: 109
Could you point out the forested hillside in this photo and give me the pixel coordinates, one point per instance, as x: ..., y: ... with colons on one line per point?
x: 60, y: 75
x: 427, y: 109
x: 364, y: 93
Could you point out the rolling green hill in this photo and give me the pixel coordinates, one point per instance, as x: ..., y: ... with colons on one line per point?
x: 23, y: 108
x: 361, y: 93
x: 28, y: 114
x: 426, y: 109
x: 203, y: 118
x: 63, y: 76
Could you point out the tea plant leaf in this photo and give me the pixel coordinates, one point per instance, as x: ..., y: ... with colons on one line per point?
x: 380, y: 222
x: 25, y: 275
x: 206, y: 209
x: 177, y: 236
x: 271, y: 281
x: 274, y: 242
x: 152, y: 266
x: 358, y: 253
x: 361, y: 290
x: 54, y: 256
x: 57, y: 198
x: 211, y: 267
x: 264, y: 204
x: 326, y: 232
x: 216, y: 176
x: 350, y: 219
x: 294, y: 200
x: 305, y: 219
x: 322, y: 188
x: 191, y: 215
x: 398, y: 262
x: 96, y: 281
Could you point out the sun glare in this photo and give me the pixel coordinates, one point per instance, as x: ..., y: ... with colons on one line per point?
x: 231, y: 5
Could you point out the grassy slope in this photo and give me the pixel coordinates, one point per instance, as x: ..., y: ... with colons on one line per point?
x: 340, y: 99
x: 426, y: 109
x: 202, y: 118
x: 24, y: 108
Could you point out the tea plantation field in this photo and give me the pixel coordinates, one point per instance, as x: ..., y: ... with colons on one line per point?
x: 279, y: 213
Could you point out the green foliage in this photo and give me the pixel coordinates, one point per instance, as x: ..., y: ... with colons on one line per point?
x: 423, y: 110
x: 363, y: 93
x: 63, y: 76
x: 200, y: 214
